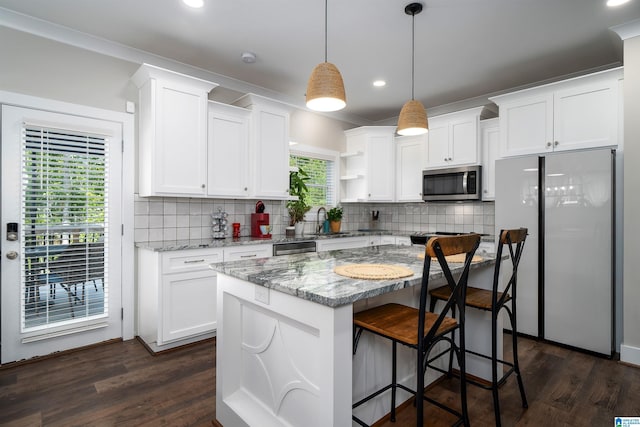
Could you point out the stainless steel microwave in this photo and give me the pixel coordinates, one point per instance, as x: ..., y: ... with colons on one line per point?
x: 461, y: 183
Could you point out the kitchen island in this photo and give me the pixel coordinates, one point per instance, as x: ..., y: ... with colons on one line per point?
x: 284, y: 339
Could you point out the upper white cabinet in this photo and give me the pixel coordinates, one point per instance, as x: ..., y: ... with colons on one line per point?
x: 489, y: 141
x: 582, y: 112
x: 410, y: 161
x: 268, y: 147
x: 368, y: 165
x: 453, y: 139
x: 172, y: 132
x: 228, y: 151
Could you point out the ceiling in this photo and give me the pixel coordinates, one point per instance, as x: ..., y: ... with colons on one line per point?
x: 465, y: 49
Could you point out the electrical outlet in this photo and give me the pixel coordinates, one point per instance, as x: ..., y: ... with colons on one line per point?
x: 262, y: 294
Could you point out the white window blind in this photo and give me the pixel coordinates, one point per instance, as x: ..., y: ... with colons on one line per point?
x: 322, y: 180
x: 64, y: 233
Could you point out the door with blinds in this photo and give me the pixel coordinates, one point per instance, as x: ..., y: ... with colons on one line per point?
x: 61, y: 252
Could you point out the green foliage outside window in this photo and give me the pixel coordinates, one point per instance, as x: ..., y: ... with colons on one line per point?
x: 317, y: 170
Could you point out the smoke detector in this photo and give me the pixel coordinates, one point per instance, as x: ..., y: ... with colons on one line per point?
x: 248, y: 57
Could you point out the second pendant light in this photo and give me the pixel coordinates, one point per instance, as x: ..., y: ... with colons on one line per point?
x: 413, y: 116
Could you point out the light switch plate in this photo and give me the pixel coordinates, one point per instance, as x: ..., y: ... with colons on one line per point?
x: 130, y: 107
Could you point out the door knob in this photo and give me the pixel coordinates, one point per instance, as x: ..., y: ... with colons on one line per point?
x: 12, y: 254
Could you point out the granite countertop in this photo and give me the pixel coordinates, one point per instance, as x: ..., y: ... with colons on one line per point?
x: 281, y: 238
x: 310, y: 276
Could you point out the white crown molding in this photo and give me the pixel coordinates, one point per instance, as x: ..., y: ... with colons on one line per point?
x: 628, y: 29
x: 66, y: 35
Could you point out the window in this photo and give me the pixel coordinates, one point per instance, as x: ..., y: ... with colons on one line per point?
x: 321, y: 166
x: 64, y: 203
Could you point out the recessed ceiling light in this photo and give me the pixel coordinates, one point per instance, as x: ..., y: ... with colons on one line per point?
x: 379, y: 83
x: 194, y: 3
x: 614, y: 3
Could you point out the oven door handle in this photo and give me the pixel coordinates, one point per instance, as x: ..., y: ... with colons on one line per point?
x: 465, y: 178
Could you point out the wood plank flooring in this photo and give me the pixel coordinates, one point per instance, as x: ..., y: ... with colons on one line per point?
x: 122, y: 384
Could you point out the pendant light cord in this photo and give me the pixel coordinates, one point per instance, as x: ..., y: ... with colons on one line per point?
x: 413, y: 52
x: 326, y: 15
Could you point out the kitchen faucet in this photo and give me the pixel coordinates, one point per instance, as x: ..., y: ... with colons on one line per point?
x: 319, y: 226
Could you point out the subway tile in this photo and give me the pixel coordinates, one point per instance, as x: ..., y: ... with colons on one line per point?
x: 156, y: 221
x: 156, y: 207
x: 141, y: 221
x: 155, y: 234
x: 141, y: 235
x: 141, y: 207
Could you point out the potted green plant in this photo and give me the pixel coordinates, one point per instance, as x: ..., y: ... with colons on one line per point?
x: 335, y: 219
x: 298, y: 208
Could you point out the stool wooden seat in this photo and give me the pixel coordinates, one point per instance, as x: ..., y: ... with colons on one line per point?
x: 421, y: 330
x: 493, y: 301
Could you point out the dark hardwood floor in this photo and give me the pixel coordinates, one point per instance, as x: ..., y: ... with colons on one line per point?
x: 122, y: 384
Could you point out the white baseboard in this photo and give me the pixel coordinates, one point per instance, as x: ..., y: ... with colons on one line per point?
x: 630, y: 354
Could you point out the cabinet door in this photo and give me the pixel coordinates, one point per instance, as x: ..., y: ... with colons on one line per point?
x: 490, y: 137
x: 228, y: 153
x: 380, y: 173
x: 463, y: 141
x: 526, y: 126
x: 188, y: 305
x: 586, y: 116
x: 271, y: 153
x: 409, y: 164
x: 180, y: 150
x: 438, y: 145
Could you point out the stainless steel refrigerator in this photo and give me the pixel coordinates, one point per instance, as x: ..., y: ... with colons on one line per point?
x: 566, y: 276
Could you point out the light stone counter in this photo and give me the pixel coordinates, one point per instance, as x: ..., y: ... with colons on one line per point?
x: 310, y: 276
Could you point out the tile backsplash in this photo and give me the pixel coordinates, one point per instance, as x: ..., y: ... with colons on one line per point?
x: 170, y: 219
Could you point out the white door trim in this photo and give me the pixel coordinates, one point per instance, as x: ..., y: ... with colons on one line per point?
x: 128, y: 173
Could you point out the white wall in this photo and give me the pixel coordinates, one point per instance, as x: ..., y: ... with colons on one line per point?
x: 318, y: 130
x: 36, y: 66
x: 630, y: 350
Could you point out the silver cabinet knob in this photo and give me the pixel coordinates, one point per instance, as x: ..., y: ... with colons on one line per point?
x: 548, y: 144
x: 12, y: 254
x: 555, y: 143
x: 202, y: 185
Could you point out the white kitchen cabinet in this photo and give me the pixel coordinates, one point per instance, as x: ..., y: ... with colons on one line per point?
x: 268, y: 147
x: 240, y: 252
x: 172, y: 132
x: 410, y: 161
x: 490, y: 143
x: 176, y: 296
x: 368, y: 165
x: 452, y: 139
x: 577, y: 113
x: 228, y: 151
x: 334, y: 244
x: 395, y: 240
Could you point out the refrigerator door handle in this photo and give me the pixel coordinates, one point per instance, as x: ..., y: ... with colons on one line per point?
x: 465, y: 178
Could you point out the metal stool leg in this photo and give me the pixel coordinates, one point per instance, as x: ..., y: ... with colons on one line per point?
x: 393, y: 382
x: 516, y: 365
x: 494, y: 366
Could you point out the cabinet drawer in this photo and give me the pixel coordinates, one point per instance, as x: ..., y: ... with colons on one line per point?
x: 190, y: 260
x: 241, y: 252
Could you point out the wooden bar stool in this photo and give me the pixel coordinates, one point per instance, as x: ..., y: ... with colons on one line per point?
x: 493, y: 301
x: 421, y: 330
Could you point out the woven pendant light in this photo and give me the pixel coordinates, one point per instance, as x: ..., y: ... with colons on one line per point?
x: 325, y: 90
x: 413, y: 116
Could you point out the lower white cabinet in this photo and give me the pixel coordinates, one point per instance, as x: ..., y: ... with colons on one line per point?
x: 346, y: 243
x: 237, y: 253
x: 176, y: 296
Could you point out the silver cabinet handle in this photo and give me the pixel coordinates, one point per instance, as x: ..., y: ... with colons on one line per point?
x: 555, y: 143
x: 548, y: 144
x: 194, y: 261
x: 12, y: 254
x: 248, y: 256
